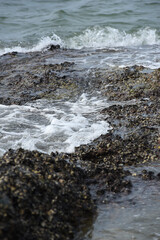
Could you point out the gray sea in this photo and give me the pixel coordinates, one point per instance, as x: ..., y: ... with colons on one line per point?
x: 130, y: 27
x: 113, y: 33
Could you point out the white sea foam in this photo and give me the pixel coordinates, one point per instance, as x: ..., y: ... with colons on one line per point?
x: 111, y: 37
x: 52, y: 126
x: 96, y: 37
x: 41, y: 45
x: 121, y: 48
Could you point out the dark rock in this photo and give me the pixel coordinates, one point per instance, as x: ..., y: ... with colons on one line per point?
x: 41, y: 197
x: 45, y: 197
x: 53, y: 47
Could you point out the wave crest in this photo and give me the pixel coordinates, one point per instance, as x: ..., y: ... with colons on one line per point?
x: 96, y: 37
x: 111, y: 37
x: 41, y: 45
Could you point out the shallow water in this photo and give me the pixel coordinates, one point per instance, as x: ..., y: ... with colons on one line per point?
x: 134, y: 216
x: 113, y: 57
x: 50, y: 126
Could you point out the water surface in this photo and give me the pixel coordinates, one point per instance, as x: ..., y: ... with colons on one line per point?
x: 133, y: 25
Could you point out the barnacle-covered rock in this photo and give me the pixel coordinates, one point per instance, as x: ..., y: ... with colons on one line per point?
x: 48, y: 196
x: 41, y: 196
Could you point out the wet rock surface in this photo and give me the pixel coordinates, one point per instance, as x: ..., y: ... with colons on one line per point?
x: 30, y: 76
x: 41, y: 196
x: 50, y: 196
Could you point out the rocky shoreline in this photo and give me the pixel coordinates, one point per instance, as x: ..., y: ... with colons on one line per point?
x: 52, y: 196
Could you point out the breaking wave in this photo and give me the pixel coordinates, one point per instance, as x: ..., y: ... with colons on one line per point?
x: 111, y: 37
x: 96, y: 37
x: 41, y: 45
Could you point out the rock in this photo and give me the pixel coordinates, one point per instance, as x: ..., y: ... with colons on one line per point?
x: 41, y: 197
x: 53, y: 47
x: 48, y: 196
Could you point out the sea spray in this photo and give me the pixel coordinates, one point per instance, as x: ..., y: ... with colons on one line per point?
x: 96, y: 37
x: 99, y: 37
x: 42, y: 44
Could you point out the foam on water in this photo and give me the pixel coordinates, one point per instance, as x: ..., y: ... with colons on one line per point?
x: 52, y: 126
x: 42, y: 44
x: 141, y: 47
x: 98, y: 37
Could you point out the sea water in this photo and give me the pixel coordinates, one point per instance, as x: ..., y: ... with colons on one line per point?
x: 113, y: 33
x: 50, y: 126
x: 132, y: 28
x: 133, y: 217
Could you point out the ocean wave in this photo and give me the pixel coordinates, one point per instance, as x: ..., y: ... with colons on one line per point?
x: 95, y: 37
x: 41, y: 45
x: 110, y: 37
